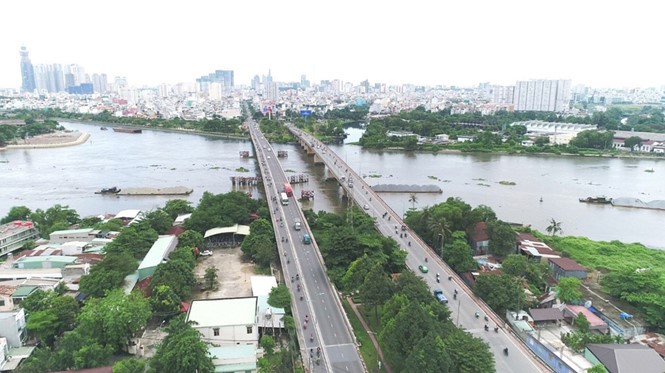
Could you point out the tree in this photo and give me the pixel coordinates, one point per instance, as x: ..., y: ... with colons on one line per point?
x: 159, y: 220
x: 165, y: 302
x: 429, y: 355
x: 598, y: 368
x: 16, y: 213
x: 268, y: 344
x: 77, y: 350
x: 568, y: 290
x: 502, y: 238
x: 182, y: 351
x: 54, y: 218
x: 554, y: 227
x: 280, y: 297
x: 115, y: 319
x: 191, y: 238
x: 175, y: 207
x: 458, y: 256
x: 136, y: 239
x: 54, y: 318
x: 413, y: 287
x: 131, y: 365
x: 468, y: 353
x: 177, y: 275
x: 185, y: 254
x: 357, y: 272
x: 376, y: 289
x: 515, y: 265
x: 210, y: 277
x: 633, y: 142
x: 440, y: 229
x: 413, y: 198
x: 582, y: 323
x: 501, y: 292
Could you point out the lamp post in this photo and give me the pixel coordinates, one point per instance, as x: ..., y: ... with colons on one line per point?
x: 459, y: 303
x: 441, y: 239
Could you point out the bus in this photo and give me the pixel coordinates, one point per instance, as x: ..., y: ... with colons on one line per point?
x: 284, y: 198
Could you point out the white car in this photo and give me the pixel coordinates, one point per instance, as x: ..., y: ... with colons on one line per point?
x: 206, y: 253
x: 366, y: 207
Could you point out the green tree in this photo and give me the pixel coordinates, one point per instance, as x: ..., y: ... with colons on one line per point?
x: 16, y: 213
x: 136, y: 239
x: 458, y: 256
x: 159, y: 220
x: 182, y: 351
x: 268, y: 344
x: 376, y: 289
x: 633, y: 142
x: 554, y: 227
x: 165, y: 302
x: 191, y: 238
x: 108, y: 274
x: 357, y: 272
x: 501, y: 292
x: 429, y: 355
x: 175, y: 207
x: 468, y: 353
x: 177, y: 275
x: 280, y: 297
x: 413, y: 287
x: 131, y: 365
x: 413, y: 199
x: 185, y: 254
x: 401, y: 334
x: 78, y: 351
x: 502, y: 238
x: 54, y: 218
x: 582, y: 323
x: 568, y: 290
x: 115, y: 319
x: 55, y: 318
x: 210, y: 277
x: 515, y: 265
x: 598, y: 368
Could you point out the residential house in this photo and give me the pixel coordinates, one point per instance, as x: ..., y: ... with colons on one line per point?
x: 625, y: 358
x: 22, y: 292
x: 546, y: 316
x: 37, y: 262
x: 85, y: 235
x: 566, y: 267
x: 479, y: 239
x: 12, y: 327
x: 6, y: 301
x: 224, y: 322
x: 534, y: 249
x: 270, y: 319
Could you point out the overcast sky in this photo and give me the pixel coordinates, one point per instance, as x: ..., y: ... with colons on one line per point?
x: 598, y: 43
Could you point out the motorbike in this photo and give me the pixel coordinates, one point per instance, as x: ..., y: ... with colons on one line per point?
x: 425, y: 257
x: 505, y: 351
x: 311, y: 338
x: 450, y: 278
x: 438, y: 280
x: 297, y: 277
x: 291, y: 278
x: 301, y: 297
x: 304, y: 325
x: 298, y: 287
x: 477, y: 314
x: 496, y: 329
x: 487, y: 318
x: 487, y: 328
x: 454, y: 296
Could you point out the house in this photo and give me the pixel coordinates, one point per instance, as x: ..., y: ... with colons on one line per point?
x: 15, y: 234
x: 238, y: 358
x: 38, y: 262
x: 570, y: 312
x: 479, y: 239
x: 224, y: 322
x: 566, y: 267
x: 22, y: 292
x: 270, y: 319
x: 11, y: 357
x: 534, y: 249
x: 85, y: 235
x: 12, y: 327
x: 180, y: 219
x: 159, y: 251
x: 546, y: 316
x: 625, y: 358
x: 6, y: 301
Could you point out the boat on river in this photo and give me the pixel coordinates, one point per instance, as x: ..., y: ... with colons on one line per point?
x: 127, y: 130
x: 599, y: 200
x: 103, y: 128
x: 112, y: 190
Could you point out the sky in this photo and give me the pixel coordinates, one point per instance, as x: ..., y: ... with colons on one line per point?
x: 601, y: 44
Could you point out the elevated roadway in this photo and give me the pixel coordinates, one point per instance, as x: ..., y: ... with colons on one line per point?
x: 320, y: 318
x: 463, y: 309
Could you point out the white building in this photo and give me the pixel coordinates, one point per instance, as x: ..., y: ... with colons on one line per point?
x: 81, y: 235
x: 542, y: 95
x: 15, y: 234
x: 225, y: 322
x: 12, y: 327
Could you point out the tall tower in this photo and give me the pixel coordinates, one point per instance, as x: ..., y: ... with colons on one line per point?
x: 27, y: 72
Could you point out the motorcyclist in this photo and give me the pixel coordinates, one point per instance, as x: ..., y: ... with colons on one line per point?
x: 477, y: 314
x: 297, y: 277
x: 425, y: 257
x: 291, y: 278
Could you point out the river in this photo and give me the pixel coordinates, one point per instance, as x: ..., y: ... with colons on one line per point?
x: 40, y: 178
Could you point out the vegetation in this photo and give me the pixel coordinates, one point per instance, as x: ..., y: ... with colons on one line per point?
x: 32, y: 127
x: 500, y: 291
x: 260, y: 245
x: 182, y: 341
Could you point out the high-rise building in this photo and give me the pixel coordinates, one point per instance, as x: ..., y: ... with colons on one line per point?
x: 27, y: 72
x: 100, y: 83
x: 503, y: 94
x: 256, y: 83
x: 224, y: 77
x: 542, y: 95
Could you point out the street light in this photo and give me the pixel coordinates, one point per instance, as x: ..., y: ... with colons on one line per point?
x: 441, y: 239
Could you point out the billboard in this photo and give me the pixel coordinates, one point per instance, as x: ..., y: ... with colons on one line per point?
x: 305, y: 113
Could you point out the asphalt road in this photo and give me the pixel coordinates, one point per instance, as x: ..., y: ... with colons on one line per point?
x: 463, y: 308
x: 319, y: 315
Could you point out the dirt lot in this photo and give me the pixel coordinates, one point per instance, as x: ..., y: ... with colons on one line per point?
x: 232, y: 274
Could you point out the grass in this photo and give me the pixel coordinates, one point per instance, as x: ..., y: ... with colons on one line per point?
x: 241, y: 169
x: 367, y: 350
x: 504, y: 182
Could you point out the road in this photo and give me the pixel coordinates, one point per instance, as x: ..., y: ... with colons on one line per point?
x: 463, y: 308
x: 315, y: 299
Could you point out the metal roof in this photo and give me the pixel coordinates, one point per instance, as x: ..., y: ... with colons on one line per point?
x: 223, y: 312
x: 157, y: 252
x: 73, y: 231
x: 622, y: 358
x: 23, y: 291
x: 262, y: 285
x: 235, y: 229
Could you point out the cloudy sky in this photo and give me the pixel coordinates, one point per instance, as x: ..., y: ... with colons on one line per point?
x: 598, y: 43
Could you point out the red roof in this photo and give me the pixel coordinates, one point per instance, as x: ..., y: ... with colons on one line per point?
x: 567, y: 264
x: 480, y: 232
x: 184, y: 307
x: 176, y: 230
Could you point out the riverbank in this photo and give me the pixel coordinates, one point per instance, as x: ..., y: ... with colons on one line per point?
x: 153, y: 128
x: 51, y: 140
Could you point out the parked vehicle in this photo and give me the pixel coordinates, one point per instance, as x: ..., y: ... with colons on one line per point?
x: 206, y: 253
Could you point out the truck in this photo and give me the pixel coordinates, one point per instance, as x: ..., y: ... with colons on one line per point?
x: 288, y: 190
x: 438, y: 293
x: 284, y: 199
x: 306, y: 239
x: 296, y: 224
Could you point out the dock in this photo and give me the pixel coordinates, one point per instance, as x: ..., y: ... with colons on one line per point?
x: 168, y: 191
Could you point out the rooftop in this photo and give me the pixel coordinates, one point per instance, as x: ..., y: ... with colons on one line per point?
x: 262, y: 285
x: 14, y: 227
x: 127, y: 214
x: 157, y: 252
x: 567, y: 264
x: 223, y: 312
x: 73, y: 231
x: 546, y: 314
x: 622, y: 358
x: 235, y: 229
x: 41, y: 259
x: 480, y: 232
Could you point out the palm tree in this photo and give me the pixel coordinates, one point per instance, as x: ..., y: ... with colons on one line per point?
x: 413, y: 199
x: 439, y: 227
x: 554, y: 227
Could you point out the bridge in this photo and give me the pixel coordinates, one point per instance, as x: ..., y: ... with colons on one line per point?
x: 325, y: 336
x: 390, y: 224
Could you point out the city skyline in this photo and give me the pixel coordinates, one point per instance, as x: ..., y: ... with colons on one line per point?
x: 417, y: 43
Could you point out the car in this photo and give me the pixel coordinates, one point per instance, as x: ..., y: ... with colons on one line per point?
x: 423, y: 268
x: 268, y: 157
x: 366, y: 207
x: 206, y: 253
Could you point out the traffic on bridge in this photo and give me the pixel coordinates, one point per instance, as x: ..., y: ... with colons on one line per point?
x: 467, y: 311
x: 324, y: 333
